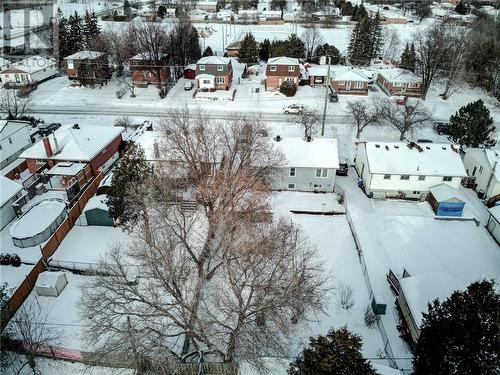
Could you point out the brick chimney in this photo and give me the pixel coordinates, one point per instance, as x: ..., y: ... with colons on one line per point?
x: 47, y: 146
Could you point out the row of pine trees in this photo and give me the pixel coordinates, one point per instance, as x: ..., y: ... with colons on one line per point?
x: 366, y: 40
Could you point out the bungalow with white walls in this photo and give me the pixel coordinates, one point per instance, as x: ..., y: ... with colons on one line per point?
x: 484, y: 166
x: 407, y: 170
x: 343, y: 79
x: 309, y: 165
x: 28, y: 72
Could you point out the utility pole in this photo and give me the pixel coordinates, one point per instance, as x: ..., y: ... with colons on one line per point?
x: 327, y: 86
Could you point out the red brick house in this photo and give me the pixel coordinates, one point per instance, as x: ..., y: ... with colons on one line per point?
x: 343, y: 79
x: 93, y: 144
x: 214, y: 73
x: 144, y: 70
x: 396, y: 81
x: 281, y: 69
x: 96, y: 63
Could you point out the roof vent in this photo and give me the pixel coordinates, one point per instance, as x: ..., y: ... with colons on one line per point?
x: 387, y: 147
x: 76, y: 126
x: 377, y: 145
x: 277, y: 138
x: 396, y: 146
x: 444, y: 148
x: 427, y: 147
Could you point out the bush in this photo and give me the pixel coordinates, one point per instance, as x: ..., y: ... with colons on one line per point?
x: 288, y: 88
x: 370, y: 317
x: 344, y: 296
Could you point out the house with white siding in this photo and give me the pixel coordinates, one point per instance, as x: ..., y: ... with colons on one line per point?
x: 14, y: 139
x: 309, y: 165
x: 484, y: 166
x: 493, y: 224
x: 407, y: 170
x: 28, y: 72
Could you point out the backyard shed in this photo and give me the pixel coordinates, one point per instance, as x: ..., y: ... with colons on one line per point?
x: 97, y: 213
x: 50, y: 283
x: 445, y: 201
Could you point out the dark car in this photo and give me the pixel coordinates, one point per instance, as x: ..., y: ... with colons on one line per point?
x: 44, y: 129
x: 442, y: 127
x: 424, y: 141
x: 334, y: 98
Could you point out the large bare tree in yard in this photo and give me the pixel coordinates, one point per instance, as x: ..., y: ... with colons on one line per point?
x: 308, y: 120
x: 453, y: 70
x: 312, y: 38
x: 363, y: 115
x: 405, y: 118
x: 13, y: 105
x: 220, y: 281
x: 431, y: 52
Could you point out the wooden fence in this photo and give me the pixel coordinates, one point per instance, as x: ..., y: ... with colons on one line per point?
x: 22, y: 292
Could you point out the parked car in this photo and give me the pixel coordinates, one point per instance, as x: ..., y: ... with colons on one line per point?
x: 402, y: 101
x: 442, y: 127
x: 46, y: 129
x: 334, y: 98
x: 188, y: 85
x: 424, y: 141
x: 294, y: 109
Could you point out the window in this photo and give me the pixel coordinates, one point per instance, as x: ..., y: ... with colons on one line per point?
x: 358, y: 85
x: 70, y: 64
x: 206, y: 81
x: 413, y: 85
x: 291, y: 68
x: 219, y: 79
x: 220, y: 68
x: 201, y: 67
x: 291, y: 186
x: 341, y: 83
x: 416, y: 192
x: 290, y: 79
x: 272, y: 68
x: 317, y: 185
x: 322, y: 173
x: 387, y: 176
x: 395, y: 84
x: 446, y: 178
x: 292, y: 172
x: 405, y: 177
x: 421, y: 178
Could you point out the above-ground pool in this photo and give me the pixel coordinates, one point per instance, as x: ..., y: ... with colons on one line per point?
x: 38, y: 223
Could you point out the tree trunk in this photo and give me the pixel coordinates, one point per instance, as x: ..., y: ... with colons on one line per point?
x: 402, y: 136
x: 358, y: 133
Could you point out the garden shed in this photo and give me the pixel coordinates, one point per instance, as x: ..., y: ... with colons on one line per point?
x: 97, y: 213
x: 445, y: 201
x: 50, y: 283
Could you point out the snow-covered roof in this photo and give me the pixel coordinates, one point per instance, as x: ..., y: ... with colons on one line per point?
x: 49, y: 278
x: 97, y: 202
x: 83, y: 55
x: 33, y: 64
x: 495, y: 212
x: 66, y: 169
x: 398, y: 75
x: 385, y: 370
x: 283, y: 60
x: 445, y: 192
x: 8, y: 189
x: 319, y: 153
x: 149, y: 139
x: 81, y: 144
x: 191, y: 67
x: 214, y: 60
x: 397, y: 158
x: 106, y: 181
x: 205, y: 76
x: 348, y: 73
x: 422, y: 289
x: 318, y: 70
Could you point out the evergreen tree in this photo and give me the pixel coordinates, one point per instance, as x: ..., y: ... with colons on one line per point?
x: 408, y: 58
x: 361, y: 43
x: 329, y: 50
x: 461, y: 8
x: 126, y: 9
x: 377, y: 37
x: 295, y: 47
x: 162, y: 11
x: 461, y: 335
x: 75, y: 35
x: 132, y: 171
x: 347, y: 9
x: 61, y: 48
x: 265, y: 50
x: 208, y: 52
x: 339, y: 353
x: 194, y: 50
x: 90, y: 30
x: 248, y: 53
x: 472, y: 126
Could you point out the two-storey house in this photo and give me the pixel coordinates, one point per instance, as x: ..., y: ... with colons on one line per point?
x: 281, y: 69
x: 214, y: 73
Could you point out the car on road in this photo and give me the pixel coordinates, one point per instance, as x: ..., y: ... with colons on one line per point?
x: 294, y: 109
x: 188, y: 85
x: 424, y: 141
x: 442, y: 127
x: 46, y: 129
x: 334, y: 98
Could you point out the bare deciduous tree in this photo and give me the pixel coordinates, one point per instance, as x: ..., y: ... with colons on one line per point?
x: 430, y: 49
x: 309, y: 120
x: 391, y: 46
x: 312, y: 38
x: 454, y: 64
x: 363, y: 115
x: 213, y: 280
x: 30, y: 327
x: 407, y: 117
x: 14, y: 105
x: 118, y: 45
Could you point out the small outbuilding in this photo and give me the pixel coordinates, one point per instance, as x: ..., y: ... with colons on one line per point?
x: 445, y: 201
x: 190, y: 71
x: 97, y: 212
x: 10, y: 191
x: 51, y: 283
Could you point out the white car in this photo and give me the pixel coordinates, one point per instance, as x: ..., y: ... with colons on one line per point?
x: 294, y: 108
x: 188, y: 85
